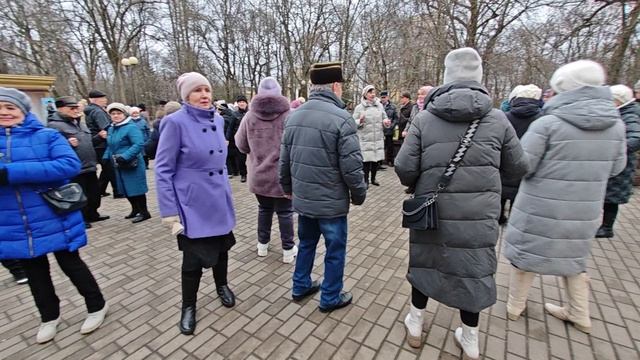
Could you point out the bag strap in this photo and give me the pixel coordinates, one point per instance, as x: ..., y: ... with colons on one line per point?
x: 454, y: 162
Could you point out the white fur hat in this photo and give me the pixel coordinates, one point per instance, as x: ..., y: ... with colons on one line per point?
x: 526, y: 91
x: 622, y: 93
x: 577, y: 74
x: 464, y: 64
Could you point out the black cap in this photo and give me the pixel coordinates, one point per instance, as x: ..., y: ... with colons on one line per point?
x: 406, y: 95
x: 326, y: 73
x: 384, y: 93
x: 241, y: 98
x: 69, y: 101
x: 96, y: 94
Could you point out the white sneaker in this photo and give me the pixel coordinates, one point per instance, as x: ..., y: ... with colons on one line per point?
x: 289, y: 255
x: 94, y: 320
x: 47, y: 331
x: 466, y: 337
x: 413, y: 323
x: 263, y: 249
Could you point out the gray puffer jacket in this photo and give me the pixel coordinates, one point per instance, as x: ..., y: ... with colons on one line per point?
x: 71, y: 128
x: 455, y: 264
x: 320, y: 160
x: 371, y: 131
x: 573, y: 150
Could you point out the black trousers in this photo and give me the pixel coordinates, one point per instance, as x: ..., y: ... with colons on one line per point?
x: 138, y: 204
x: 419, y: 300
x: 236, y: 161
x: 15, y: 268
x: 192, y: 272
x: 610, y: 214
x: 91, y: 188
x: 389, y: 149
x: 107, y: 174
x: 44, y: 293
x: 370, y: 167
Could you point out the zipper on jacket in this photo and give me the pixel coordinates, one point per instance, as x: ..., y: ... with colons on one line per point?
x: 23, y: 214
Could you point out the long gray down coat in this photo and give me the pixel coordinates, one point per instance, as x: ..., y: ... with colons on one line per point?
x: 572, y: 150
x: 371, y: 132
x: 455, y: 264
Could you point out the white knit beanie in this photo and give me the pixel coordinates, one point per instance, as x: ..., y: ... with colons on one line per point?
x: 464, y: 64
x: 526, y: 91
x: 187, y: 82
x: 366, y: 90
x: 622, y: 93
x: 269, y: 86
x: 577, y: 74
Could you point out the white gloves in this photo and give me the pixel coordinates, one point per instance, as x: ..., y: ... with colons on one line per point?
x: 173, y: 223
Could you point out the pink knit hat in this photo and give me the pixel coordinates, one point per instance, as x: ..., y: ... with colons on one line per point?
x: 269, y: 86
x: 189, y: 81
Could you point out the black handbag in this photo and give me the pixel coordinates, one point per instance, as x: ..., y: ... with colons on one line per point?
x: 421, y: 212
x: 124, y: 164
x: 66, y: 198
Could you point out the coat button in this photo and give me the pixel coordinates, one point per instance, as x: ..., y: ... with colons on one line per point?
x: 220, y: 172
x: 220, y: 151
x: 210, y: 152
x: 204, y: 130
x: 213, y: 128
x: 210, y: 173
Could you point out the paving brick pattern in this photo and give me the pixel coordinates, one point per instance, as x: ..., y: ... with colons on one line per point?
x: 138, y: 268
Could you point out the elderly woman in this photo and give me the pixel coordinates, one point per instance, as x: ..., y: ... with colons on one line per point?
x: 194, y: 194
x: 455, y: 264
x: 371, y: 118
x: 34, y: 159
x: 143, y: 125
x: 572, y: 149
x: 125, y: 143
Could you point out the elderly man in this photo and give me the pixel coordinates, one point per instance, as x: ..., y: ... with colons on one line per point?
x: 321, y: 170
x: 98, y: 121
x: 67, y: 121
x: 392, y: 114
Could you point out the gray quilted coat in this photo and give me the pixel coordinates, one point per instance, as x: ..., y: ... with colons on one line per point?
x: 455, y: 264
x: 620, y: 187
x: 371, y: 133
x: 572, y: 150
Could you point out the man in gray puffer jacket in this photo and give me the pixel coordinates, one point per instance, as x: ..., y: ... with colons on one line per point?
x: 573, y: 150
x: 456, y: 263
x: 321, y: 169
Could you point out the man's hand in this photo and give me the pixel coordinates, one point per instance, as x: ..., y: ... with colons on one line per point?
x: 288, y: 196
x: 73, y: 141
x: 386, y: 123
x: 103, y: 134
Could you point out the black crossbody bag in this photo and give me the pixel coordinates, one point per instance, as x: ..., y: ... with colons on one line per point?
x: 66, y: 198
x: 421, y: 212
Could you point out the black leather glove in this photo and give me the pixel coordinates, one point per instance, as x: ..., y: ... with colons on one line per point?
x: 4, y: 176
x: 119, y: 159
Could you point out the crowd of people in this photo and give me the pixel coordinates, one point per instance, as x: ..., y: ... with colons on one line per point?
x: 551, y: 166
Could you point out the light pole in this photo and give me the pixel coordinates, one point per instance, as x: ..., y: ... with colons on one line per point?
x: 128, y: 64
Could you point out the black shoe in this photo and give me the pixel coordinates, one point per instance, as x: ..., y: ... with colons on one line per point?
x: 87, y: 225
x: 131, y: 215
x: 188, y: 320
x: 373, y: 182
x: 230, y: 176
x: 141, y: 217
x: 345, y: 299
x: 20, y: 279
x: 503, y: 220
x: 390, y: 163
x: 226, y: 296
x: 315, y: 287
x: 604, y: 232
x: 105, y: 194
x: 382, y: 168
x: 99, y: 218
x: 119, y: 196
x: 243, y: 178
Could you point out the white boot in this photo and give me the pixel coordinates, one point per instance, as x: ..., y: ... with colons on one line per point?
x: 466, y: 338
x: 413, y: 323
x: 263, y: 249
x: 519, y: 284
x: 289, y: 255
x: 94, y: 320
x: 47, y: 331
x: 577, y: 311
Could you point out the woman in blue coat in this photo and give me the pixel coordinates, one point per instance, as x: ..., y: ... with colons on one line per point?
x: 34, y: 159
x: 125, y: 143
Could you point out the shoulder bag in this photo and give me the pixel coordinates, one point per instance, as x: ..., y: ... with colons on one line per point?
x: 66, y: 198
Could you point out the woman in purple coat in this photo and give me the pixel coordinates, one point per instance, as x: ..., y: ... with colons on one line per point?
x: 194, y: 195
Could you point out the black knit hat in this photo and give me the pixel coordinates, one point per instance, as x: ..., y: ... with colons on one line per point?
x: 384, y: 93
x: 96, y: 94
x: 241, y: 98
x: 326, y: 73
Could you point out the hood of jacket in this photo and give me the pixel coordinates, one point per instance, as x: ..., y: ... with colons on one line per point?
x: 632, y: 108
x: 30, y: 124
x: 525, y: 107
x: 269, y: 107
x: 588, y: 108
x: 459, y: 101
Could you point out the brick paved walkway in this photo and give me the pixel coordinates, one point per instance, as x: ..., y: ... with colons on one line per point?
x: 137, y: 267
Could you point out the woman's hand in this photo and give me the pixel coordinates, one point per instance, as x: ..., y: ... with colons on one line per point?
x: 386, y: 123
x: 173, y: 223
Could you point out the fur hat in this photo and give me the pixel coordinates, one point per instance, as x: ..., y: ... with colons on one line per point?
x: 17, y: 98
x: 187, y: 82
x: 269, y: 86
x: 367, y: 89
x: 326, y: 73
x: 526, y: 91
x: 577, y: 74
x: 171, y: 107
x: 462, y: 64
x: 623, y: 94
x: 118, y: 106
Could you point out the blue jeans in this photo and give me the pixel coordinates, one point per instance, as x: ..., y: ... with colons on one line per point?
x: 335, y: 238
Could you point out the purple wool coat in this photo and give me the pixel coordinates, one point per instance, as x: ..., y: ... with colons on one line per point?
x: 260, y: 135
x: 191, y: 173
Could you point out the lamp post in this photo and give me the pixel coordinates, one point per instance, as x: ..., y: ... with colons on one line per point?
x: 128, y: 64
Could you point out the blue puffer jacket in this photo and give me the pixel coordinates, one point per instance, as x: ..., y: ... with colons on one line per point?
x: 36, y: 159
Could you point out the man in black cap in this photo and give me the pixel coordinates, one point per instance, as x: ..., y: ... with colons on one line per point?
x: 392, y: 115
x: 67, y: 120
x: 98, y: 121
x: 321, y: 170
x: 238, y: 159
